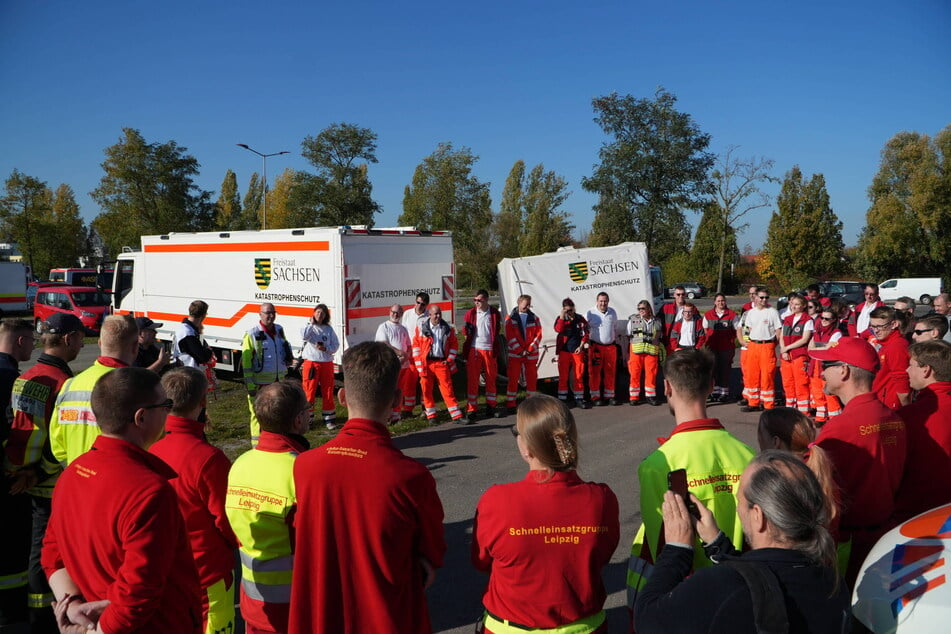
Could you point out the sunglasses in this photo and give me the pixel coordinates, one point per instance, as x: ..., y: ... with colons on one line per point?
x: 762, y: 297
x: 827, y: 318
x: 921, y: 332
x: 166, y: 404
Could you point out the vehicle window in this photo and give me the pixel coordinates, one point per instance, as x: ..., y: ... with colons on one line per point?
x: 90, y: 298
x: 889, y: 284
x: 60, y: 300
x: 854, y: 288
x: 122, y: 282
x: 834, y: 288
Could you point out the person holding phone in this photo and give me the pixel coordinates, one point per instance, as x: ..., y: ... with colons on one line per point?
x: 712, y: 457
x: 570, y: 345
x: 317, y: 371
x: 546, y: 539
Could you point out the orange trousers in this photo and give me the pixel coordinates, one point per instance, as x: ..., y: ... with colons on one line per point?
x: 826, y: 405
x: 479, y: 361
x: 761, y: 379
x: 438, y: 372
x: 646, y: 363
x: 320, y: 375
x: 514, y: 370
x: 795, y: 383
x: 602, y: 360
x: 570, y: 364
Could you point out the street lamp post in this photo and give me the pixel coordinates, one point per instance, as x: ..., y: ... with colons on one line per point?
x: 264, y: 157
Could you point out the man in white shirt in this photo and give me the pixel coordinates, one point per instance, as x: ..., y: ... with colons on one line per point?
x: 393, y: 333
x: 762, y: 325
x: 482, y: 326
x: 602, y: 351
x: 410, y: 320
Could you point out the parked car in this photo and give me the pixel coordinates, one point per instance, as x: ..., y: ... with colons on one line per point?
x: 32, y: 287
x: 851, y: 293
x: 86, y: 302
x: 694, y: 290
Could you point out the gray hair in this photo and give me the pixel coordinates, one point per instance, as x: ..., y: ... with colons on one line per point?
x: 793, y: 502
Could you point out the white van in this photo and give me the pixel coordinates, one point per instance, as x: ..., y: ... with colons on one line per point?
x: 920, y: 289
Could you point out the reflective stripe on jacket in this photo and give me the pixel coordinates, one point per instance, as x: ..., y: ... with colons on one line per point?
x: 73, y: 426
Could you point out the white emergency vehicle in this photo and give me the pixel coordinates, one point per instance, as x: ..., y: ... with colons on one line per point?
x: 357, y: 272
x: 622, y: 271
x: 14, y: 277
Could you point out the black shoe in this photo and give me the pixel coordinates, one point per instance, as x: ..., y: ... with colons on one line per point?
x: 635, y: 402
x: 713, y: 398
x: 570, y: 404
x: 652, y: 401
x: 462, y: 421
x: 584, y: 405
x: 511, y: 411
x: 489, y: 412
x: 724, y: 398
x: 498, y: 412
x: 612, y: 402
x: 751, y: 408
x: 601, y: 402
x: 406, y: 414
x: 742, y: 402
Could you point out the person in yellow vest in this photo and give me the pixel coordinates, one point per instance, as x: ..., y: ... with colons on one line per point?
x: 73, y: 426
x: 265, y: 355
x: 261, y: 502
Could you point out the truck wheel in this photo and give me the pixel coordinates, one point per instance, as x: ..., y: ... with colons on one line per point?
x: 691, y: 295
x: 924, y: 299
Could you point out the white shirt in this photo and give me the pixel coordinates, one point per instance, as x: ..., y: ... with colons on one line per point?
x: 602, y: 326
x: 762, y: 322
x: 396, y: 336
x: 686, y: 334
x: 861, y: 321
x: 410, y: 320
x: 483, y: 340
x: 312, y: 334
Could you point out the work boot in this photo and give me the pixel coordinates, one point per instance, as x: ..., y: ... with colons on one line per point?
x: 635, y: 402
x: 462, y: 420
x: 742, y: 402
x: 751, y: 408
x: 652, y: 401
x: 602, y: 402
x: 612, y: 402
x: 584, y: 405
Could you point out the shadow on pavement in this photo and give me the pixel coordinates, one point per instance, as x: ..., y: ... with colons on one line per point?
x: 455, y: 599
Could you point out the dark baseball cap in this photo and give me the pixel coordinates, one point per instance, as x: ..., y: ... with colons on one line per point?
x: 144, y: 323
x: 63, y: 324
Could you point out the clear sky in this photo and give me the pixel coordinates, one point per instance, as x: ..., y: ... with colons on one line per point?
x: 821, y: 84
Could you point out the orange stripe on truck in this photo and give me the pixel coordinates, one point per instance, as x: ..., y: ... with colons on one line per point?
x: 317, y: 245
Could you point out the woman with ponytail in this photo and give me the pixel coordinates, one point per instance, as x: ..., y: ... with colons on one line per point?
x: 545, y: 539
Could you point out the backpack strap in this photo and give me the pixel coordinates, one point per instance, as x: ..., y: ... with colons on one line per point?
x: 769, y: 605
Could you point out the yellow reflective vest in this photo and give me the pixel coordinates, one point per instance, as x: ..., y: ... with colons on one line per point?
x: 73, y: 426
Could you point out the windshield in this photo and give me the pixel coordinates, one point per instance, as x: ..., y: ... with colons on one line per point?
x: 91, y: 298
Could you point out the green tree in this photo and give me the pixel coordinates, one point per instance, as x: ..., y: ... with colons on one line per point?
x: 710, y: 254
x: 251, y: 208
x: 510, y: 221
x: 736, y: 190
x: 148, y: 188
x: 908, y: 225
x: 804, y: 238
x: 653, y: 166
x: 26, y: 215
x: 69, y: 230
x: 445, y: 195
x: 340, y: 193
x: 228, y: 207
x: 529, y: 221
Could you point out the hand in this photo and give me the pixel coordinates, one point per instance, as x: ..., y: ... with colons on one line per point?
x: 429, y: 573
x: 785, y: 356
x: 678, y: 524
x: 163, y: 356
x: 86, y: 614
x: 706, y: 526
x: 23, y: 479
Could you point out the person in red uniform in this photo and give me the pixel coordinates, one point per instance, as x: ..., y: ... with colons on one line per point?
x: 891, y: 381
x: 201, y: 486
x: 116, y: 547
x: 672, y: 312
x: 813, y: 292
x: 435, y: 347
x: 687, y: 332
x: 369, y: 520
x: 523, y: 332
x: 796, y: 333
x: 826, y: 331
x: 482, y: 326
x: 859, y: 317
x: 928, y: 421
x: 570, y: 345
x: 867, y: 445
x: 547, y: 578
x: 720, y: 325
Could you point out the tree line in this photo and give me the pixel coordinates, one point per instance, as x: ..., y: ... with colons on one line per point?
x: 655, y: 172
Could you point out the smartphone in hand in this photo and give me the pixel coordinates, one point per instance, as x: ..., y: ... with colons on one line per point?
x: 677, y: 482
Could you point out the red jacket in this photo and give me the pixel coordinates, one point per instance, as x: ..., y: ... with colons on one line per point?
x: 721, y: 333
x: 117, y: 529
x: 572, y: 334
x: 669, y: 314
x: 523, y: 343
x: 699, y: 334
x: 423, y: 344
x: 539, y: 577
x: 201, y: 486
x: 793, y: 333
x: 369, y: 513
x: 470, y: 327
x: 892, y: 377
x: 924, y: 485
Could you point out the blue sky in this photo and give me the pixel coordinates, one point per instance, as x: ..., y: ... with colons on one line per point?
x: 820, y: 84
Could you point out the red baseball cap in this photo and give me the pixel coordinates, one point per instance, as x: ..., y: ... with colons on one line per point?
x: 851, y: 350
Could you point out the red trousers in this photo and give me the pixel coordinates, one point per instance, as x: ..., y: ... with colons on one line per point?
x: 761, y: 380
x: 570, y: 364
x: 826, y: 405
x: 320, y: 374
x: 646, y: 363
x: 515, y: 368
x: 795, y: 383
x: 480, y: 361
x: 602, y: 359
x: 438, y: 372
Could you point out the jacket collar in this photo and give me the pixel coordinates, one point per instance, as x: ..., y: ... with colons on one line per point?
x: 56, y: 362
x: 182, y: 425
x: 112, y: 445
x: 280, y: 443
x: 693, y: 425
x: 111, y: 362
